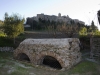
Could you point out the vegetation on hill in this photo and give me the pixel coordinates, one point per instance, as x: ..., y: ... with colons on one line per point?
x: 92, y: 30
x: 12, y: 27
x: 45, y: 24
x: 63, y: 27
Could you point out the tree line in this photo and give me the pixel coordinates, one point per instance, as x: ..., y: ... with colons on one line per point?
x: 68, y: 28
x: 44, y: 24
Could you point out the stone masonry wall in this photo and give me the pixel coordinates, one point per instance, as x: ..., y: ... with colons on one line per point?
x: 66, y: 51
x: 6, y: 49
x: 95, y: 48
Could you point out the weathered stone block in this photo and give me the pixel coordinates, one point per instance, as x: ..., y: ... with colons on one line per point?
x: 65, y: 51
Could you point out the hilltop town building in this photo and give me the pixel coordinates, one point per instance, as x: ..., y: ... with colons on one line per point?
x: 51, y: 18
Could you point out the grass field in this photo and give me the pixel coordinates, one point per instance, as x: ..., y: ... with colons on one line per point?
x: 10, y: 66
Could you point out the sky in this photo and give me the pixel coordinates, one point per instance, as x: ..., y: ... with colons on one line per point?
x: 84, y: 10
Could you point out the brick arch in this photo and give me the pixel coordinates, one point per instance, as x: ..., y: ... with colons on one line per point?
x: 23, y: 52
x: 51, y: 54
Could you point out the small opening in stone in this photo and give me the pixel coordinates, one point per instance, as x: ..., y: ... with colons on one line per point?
x: 23, y: 57
x: 51, y: 62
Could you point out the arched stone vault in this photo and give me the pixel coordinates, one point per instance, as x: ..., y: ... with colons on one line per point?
x: 52, y: 54
x: 65, y: 51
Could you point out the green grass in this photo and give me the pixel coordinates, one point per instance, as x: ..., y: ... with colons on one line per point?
x: 83, y: 67
x: 19, y: 71
x: 7, y: 62
x: 10, y: 66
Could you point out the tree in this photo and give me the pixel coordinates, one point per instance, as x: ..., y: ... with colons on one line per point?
x: 13, y: 25
x: 93, y: 26
x: 1, y: 25
x: 96, y: 32
x: 69, y: 30
x: 92, y: 29
x: 98, y: 15
x: 83, y: 31
x: 1, y: 29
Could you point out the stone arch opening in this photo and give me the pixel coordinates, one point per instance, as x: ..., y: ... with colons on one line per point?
x: 23, y: 57
x: 51, y: 62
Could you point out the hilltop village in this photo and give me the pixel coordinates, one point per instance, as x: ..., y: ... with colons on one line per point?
x: 59, y: 18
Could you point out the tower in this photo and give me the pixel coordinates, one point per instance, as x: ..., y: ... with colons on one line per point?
x: 59, y: 15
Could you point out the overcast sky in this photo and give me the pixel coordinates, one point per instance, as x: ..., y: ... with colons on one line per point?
x: 84, y: 10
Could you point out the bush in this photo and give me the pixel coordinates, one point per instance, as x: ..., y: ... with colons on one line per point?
x: 6, y: 42
x: 2, y: 34
x: 85, y: 42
